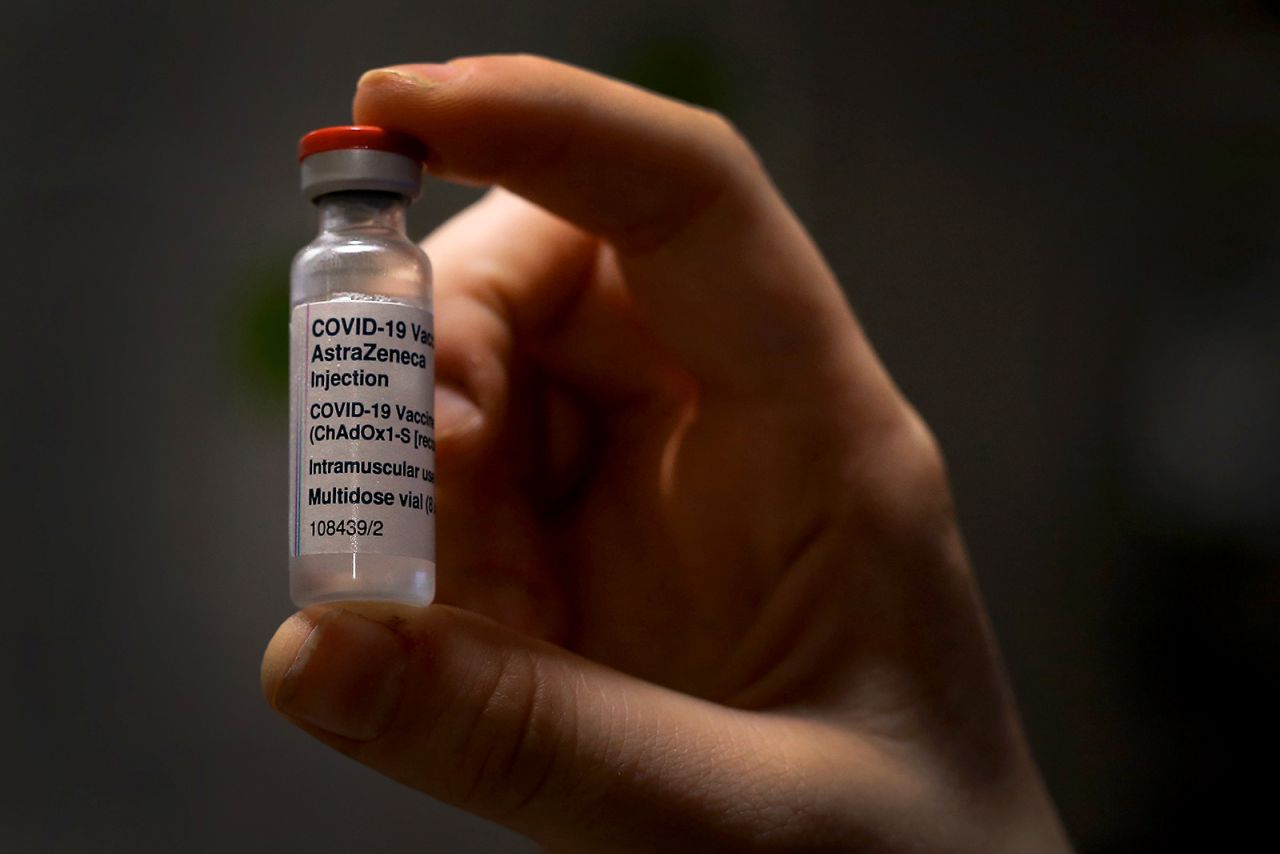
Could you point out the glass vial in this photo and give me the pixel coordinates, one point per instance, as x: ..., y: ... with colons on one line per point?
x: 362, y: 440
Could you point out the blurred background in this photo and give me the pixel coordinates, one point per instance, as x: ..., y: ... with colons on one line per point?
x: 1060, y: 224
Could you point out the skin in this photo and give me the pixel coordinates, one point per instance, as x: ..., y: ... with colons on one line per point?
x: 701, y: 581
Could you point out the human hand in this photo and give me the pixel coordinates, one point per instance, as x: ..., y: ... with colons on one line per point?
x: 701, y: 581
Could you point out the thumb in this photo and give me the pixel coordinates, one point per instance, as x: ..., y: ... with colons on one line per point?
x: 557, y: 747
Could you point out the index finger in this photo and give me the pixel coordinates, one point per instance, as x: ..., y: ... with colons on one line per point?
x: 725, y: 274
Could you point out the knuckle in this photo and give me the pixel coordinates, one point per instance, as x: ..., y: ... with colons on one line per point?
x: 729, y: 138
x: 908, y: 497
x: 922, y: 455
x: 498, y: 63
x: 532, y: 60
x: 509, y: 751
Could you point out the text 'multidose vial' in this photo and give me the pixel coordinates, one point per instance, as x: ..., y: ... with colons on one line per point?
x: 362, y: 375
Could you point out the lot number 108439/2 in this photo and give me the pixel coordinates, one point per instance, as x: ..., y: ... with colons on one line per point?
x: 346, y: 527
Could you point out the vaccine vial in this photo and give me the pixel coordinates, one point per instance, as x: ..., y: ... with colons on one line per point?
x: 362, y: 441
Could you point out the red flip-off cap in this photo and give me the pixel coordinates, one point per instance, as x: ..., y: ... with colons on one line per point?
x: 360, y: 136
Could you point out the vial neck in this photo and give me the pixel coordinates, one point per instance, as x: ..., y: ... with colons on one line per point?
x: 362, y: 210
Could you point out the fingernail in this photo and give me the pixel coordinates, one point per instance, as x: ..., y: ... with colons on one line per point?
x: 456, y: 413
x: 413, y: 75
x: 346, y: 678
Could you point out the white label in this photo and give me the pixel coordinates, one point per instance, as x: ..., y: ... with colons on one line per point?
x: 363, y: 438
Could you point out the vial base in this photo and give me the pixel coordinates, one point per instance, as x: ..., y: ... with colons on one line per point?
x: 364, y: 577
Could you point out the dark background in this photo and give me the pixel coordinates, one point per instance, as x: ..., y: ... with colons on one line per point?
x: 1061, y: 227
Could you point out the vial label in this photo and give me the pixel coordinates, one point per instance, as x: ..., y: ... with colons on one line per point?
x: 363, y: 430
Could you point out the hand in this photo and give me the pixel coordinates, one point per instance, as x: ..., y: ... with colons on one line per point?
x: 702, y: 583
